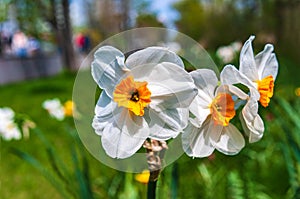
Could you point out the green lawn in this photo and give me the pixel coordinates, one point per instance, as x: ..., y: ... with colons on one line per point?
x: 261, y: 170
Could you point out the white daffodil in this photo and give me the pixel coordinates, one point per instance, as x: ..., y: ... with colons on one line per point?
x: 251, y: 121
x: 213, y: 109
x: 258, y: 74
x: 146, y: 96
x: 54, y: 108
x: 261, y: 69
x: 8, y: 128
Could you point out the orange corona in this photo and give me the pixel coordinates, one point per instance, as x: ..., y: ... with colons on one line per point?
x: 132, y: 95
x: 222, y: 109
x: 265, y: 88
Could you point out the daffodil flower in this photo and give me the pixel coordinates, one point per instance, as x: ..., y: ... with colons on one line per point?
x: 258, y: 73
x: 261, y: 69
x: 54, y: 108
x: 146, y: 96
x: 8, y: 128
x: 213, y: 109
x: 252, y: 123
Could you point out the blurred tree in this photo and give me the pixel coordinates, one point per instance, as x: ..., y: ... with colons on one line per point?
x: 112, y: 16
x: 148, y: 20
x: 287, y: 15
x: 32, y: 15
x: 192, y: 18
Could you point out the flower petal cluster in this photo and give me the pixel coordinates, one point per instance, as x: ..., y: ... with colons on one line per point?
x: 150, y: 95
x: 54, y: 108
x: 8, y: 128
x: 144, y: 96
x: 213, y: 109
x: 217, y: 102
x: 58, y: 110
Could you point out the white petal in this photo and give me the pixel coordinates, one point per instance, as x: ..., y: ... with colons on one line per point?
x: 251, y: 122
x: 271, y: 67
x: 200, y: 108
x: 170, y: 85
x: 214, y: 131
x: 105, y: 106
x: 6, y: 113
x: 247, y: 62
x: 104, y: 112
x: 238, y: 92
x: 153, y: 55
x: 108, y: 68
x: 262, y: 57
x: 196, y: 141
x: 205, y: 80
x: 230, y: 75
x: 118, y: 144
x: 168, y: 123
x: 124, y: 134
x: 231, y: 141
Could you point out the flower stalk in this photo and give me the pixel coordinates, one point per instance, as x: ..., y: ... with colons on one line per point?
x: 155, y: 154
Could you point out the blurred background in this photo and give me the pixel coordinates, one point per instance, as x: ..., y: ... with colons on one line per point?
x: 42, y: 44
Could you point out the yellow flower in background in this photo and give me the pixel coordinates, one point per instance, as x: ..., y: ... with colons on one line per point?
x: 297, y: 91
x: 143, y: 177
x: 69, y: 108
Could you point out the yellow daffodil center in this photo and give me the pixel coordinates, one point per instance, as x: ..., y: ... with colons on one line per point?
x: 222, y: 109
x: 265, y: 88
x: 133, y: 95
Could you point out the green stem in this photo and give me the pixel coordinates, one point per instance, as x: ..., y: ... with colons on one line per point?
x: 151, y: 189
x: 174, y: 182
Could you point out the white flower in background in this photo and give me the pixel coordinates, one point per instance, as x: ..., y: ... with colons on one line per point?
x: 54, y: 108
x: 146, y: 96
x: 236, y: 46
x: 261, y: 69
x: 213, y: 109
x: 226, y: 53
x: 8, y: 128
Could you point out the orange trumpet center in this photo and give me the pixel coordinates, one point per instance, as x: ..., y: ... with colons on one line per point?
x: 132, y: 95
x: 222, y: 109
x: 265, y: 88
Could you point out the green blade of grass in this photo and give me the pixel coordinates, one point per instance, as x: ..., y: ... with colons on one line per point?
x: 37, y: 165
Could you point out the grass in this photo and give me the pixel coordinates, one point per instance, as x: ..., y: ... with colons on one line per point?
x: 259, y: 171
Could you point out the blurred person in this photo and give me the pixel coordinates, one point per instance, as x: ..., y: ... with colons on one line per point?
x: 79, y: 42
x: 33, y: 46
x: 86, y: 43
x: 19, y: 44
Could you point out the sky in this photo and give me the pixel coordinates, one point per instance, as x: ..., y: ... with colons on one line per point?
x: 165, y: 13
